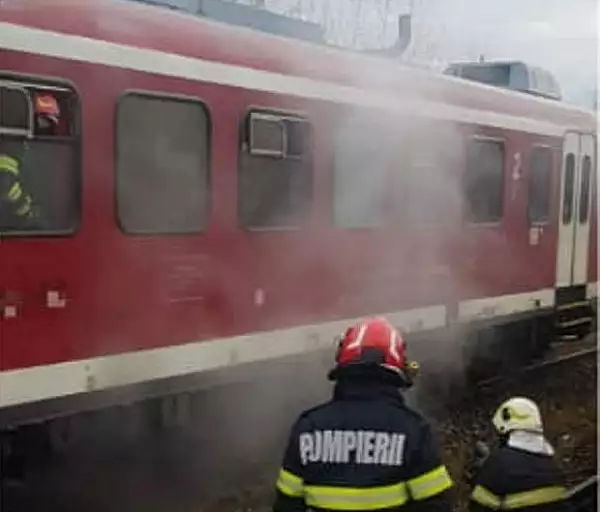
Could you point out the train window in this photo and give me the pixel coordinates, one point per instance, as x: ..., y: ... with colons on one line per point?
x: 431, y: 155
x: 15, y: 109
x: 275, y: 174
x: 39, y: 139
x: 567, y: 213
x: 584, y: 202
x: 162, y: 164
x: 540, y: 173
x: 484, y: 181
x: 363, y: 156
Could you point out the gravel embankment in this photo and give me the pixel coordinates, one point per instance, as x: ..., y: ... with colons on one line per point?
x: 567, y: 395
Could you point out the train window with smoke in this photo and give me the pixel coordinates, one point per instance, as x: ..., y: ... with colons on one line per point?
x: 431, y: 156
x: 483, y: 180
x: 540, y: 173
x: 162, y: 164
x: 40, y: 140
x: 275, y: 170
x: 569, y: 187
x: 584, y: 202
x: 363, y: 157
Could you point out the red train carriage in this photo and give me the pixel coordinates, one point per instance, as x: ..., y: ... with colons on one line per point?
x: 214, y: 197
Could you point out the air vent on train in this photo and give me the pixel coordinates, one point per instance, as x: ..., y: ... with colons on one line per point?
x: 514, y: 75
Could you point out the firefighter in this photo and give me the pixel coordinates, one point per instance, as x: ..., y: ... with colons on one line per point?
x: 521, y: 472
x: 47, y: 113
x: 364, y: 449
x: 16, y: 204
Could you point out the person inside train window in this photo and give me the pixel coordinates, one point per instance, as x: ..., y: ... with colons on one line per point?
x: 32, y: 169
x: 522, y: 472
x: 46, y: 112
x: 16, y: 203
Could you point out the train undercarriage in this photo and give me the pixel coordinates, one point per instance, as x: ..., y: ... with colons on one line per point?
x: 488, y: 350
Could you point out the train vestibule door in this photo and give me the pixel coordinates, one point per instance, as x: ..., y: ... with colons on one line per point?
x: 574, y: 213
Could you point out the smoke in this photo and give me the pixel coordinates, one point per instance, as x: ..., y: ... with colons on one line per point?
x: 385, y: 233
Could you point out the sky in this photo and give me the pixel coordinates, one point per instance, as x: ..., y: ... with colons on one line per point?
x: 559, y: 35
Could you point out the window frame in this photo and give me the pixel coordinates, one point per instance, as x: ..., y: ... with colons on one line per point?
x: 49, y: 83
x: 258, y: 115
x: 244, y: 146
x: 177, y: 97
x: 552, y: 150
x: 465, y: 212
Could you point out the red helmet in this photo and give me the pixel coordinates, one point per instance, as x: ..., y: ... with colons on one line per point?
x: 47, y: 107
x: 374, y: 342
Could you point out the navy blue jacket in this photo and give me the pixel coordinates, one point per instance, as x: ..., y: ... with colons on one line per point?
x: 363, y: 450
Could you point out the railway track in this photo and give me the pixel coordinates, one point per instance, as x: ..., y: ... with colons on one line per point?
x: 563, y: 384
x: 553, y: 360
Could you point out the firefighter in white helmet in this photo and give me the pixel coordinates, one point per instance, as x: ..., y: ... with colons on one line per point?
x: 521, y: 473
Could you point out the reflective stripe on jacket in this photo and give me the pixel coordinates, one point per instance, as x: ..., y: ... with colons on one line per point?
x: 512, y: 479
x: 13, y: 192
x: 364, y: 498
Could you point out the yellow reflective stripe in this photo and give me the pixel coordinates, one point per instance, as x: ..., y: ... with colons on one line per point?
x: 25, y: 208
x: 536, y: 497
x: 486, y: 498
x: 430, y: 484
x: 15, y: 192
x: 354, y: 498
x: 290, y: 484
x: 518, y: 500
x: 9, y: 164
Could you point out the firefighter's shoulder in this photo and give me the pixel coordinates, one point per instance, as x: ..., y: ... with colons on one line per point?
x: 394, y: 410
x: 541, y: 468
x: 305, y: 420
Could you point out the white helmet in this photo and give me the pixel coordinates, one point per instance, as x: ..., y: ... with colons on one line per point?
x: 518, y: 413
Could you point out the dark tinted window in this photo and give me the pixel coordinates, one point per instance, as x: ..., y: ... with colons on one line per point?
x: 162, y: 164
x: 276, y: 171
x: 584, y: 201
x: 484, y: 181
x: 43, y: 196
x: 569, y: 186
x: 489, y: 74
x: 15, y: 108
x: 540, y: 173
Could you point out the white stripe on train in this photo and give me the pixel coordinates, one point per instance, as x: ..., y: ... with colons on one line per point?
x: 64, y: 379
x: 83, y: 49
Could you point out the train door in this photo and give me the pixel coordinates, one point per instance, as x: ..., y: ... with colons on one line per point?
x: 574, y: 214
x: 581, y: 215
